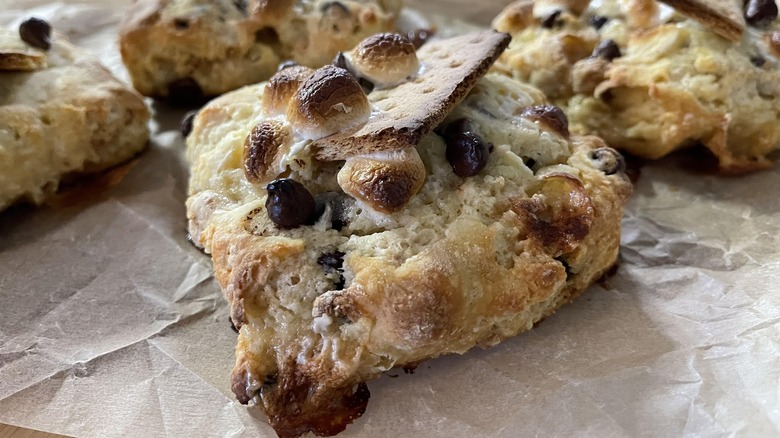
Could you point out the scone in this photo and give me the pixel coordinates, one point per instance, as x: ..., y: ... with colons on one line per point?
x: 61, y: 114
x: 353, y: 233
x: 650, y: 80
x: 186, y: 49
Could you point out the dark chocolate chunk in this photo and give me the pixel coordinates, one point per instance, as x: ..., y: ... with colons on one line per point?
x: 36, y: 33
x: 566, y: 266
x: 339, y: 205
x: 181, y: 23
x: 607, y: 49
x: 331, y: 261
x: 549, y: 115
x: 289, y: 204
x: 598, y: 21
x: 760, y: 13
x: 185, y: 92
x: 466, y: 152
x: 186, y: 123
x: 340, y: 61
x: 758, y: 60
x: 334, y: 6
x: 551, y: 20
x: 608, y: 160
x: 240, y: 5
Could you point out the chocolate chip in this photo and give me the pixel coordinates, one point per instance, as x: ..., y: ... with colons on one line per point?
x: 608, y: 160
x: 289, y: 204
x: 287, y: 64
x: 185, y: 92
x: 366, y: 85
x: 758, y: 60
x: 340, y: 61
x: 466, y: 152
x: 549, y: 115
x: 181, y: 23
x: 36, y: 33
x: 420, y: 36
x: 598, y: 21
x: 331, y: 261
x: 240, y: 5
x: 566, y: 266
x: 551, y: 20
x: 186, y: 123
x: 267, y: 36
x: 270, y: 380
x: 607, y: 49
x: 326, y: 7
x: 760, y: 13
x: 339, y: 206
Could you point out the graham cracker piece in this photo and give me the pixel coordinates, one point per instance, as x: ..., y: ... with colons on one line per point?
x: 723, y: 17
x: 15, y: 55
x: 407, y: 112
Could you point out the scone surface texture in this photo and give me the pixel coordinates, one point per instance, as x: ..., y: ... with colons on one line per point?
x: 667, y: 81
x: 66, y: 115
x: 205, y: 47
x: 466, y: 262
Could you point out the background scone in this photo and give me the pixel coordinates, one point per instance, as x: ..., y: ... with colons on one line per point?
x: 367, y: 253
x: 186, y: 48
x: 61, y: 114
x: 649, y: 80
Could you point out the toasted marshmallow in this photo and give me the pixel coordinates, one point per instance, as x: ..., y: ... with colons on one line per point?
x: 329, y: 101
x: 265, y: 150
x: 282, y: 87
x: 385, y: 59
x: 383, y: 181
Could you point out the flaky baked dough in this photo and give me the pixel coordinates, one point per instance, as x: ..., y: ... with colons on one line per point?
x: 225, y: 44
x: 678, y: 83
x: 66, y: 115
x: 469, y: 261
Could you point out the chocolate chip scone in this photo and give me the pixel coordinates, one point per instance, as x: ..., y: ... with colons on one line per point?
x: 352, y: 232
x: 184, y: 49
x: 61, y: 114
x: 650, y: 80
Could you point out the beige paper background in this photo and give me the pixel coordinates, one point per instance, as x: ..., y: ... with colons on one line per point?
x: 111, y: 324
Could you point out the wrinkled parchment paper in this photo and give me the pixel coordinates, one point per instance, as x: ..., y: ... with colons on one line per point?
x: 112, y: 325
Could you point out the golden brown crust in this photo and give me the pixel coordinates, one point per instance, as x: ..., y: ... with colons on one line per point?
x: 466, y: 262
x: 674, y: 83
x: 70, y: 116
x: 221, y: 45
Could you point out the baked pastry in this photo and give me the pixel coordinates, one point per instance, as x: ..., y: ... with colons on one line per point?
x: 186, y: 49
x: 61, y: 114
x: 348, y: 249
x: 650, y: 80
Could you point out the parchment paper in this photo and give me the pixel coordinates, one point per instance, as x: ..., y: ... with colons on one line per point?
x: 112, y: 325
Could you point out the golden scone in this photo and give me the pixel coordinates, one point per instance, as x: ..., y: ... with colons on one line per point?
x: 411, y: 244
x: 650, y: 80
x: 61, y: 114
x: 185, y: 49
